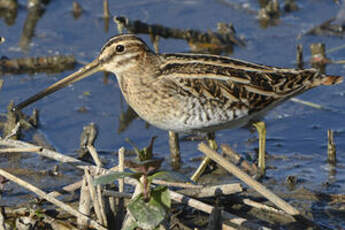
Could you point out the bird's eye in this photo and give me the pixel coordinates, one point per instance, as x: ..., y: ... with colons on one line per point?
x: 120, y: 48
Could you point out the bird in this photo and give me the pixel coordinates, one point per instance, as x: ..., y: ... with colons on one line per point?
x: 193, y: 93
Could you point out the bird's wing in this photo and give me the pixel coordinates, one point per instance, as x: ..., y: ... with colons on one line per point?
x: 220, y: 78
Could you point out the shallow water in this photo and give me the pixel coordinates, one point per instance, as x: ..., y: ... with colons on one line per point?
x: 296, y: 131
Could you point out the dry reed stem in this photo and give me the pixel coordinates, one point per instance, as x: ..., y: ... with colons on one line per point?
x: 177, y: 184
x: 258, y: 205
x: 307, y: 103
x: 2, y: 220
x: 54, y: 155
x: 101, y: 204
x: 93, y: 196
x: 21, y: 150
x: 331, y: 150
x: 175, y: 155
x: 106, y: 13
x: 84, y: 204
x: 94, y: 155
x: 237, y: 159
x: 248, y: 180
x: 210, y: 191
x: 67, y: 188
x: 121, y: 167
x: 51, y: 199
x: 261, y: 129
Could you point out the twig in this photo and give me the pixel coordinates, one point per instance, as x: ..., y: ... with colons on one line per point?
x: 20, y: 150
x: 67, y: 188
x: 84, y: 204
x: 308, y: 103
x: 248, y: 180
x: 14, y: 131
x: 94, y: 155
x: 106, y: 13
x: 121, y: 167
x: 51, y: 154
x: 237, y: 159
x: 2, y: 220
x: 93, y: 196
x: 101, y: 204
x: 210, y: 191
x: 175, y: 155
x: 262, y: 206
x: 261, y: 129
x: 177, y: 184
x: 52, y: 200
x: 331, y: 151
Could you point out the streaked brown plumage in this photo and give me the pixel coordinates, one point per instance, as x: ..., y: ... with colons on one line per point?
x: 193, y: 92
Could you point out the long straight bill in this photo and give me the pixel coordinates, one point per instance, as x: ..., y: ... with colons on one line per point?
x: 84, y: 72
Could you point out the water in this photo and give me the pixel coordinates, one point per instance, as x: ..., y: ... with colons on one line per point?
x: 297, y: 132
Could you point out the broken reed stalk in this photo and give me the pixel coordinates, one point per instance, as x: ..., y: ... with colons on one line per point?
x: 307, y: 103
x: 106, y: 13
x: 121, y: 168
x: 21, y: 150
x: 94, y: 155
x: 331, y: 150
x: 93, y: 196
x: 261, y: 129
x: 249, y: 167
x: 248, y: 180
x: 299, y: 56
x: 258, y: 205
x: 51, y: 154
x: 175, y: 155
x: 67, y: 188
x: 211, y: 191
x: 51, y: 199
x: 84, y: 204
x: 177, y: 184
x: 120, y: 212
x: 2, y: 220
x: 102, y: 204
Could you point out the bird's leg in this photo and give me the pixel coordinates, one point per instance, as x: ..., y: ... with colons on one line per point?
x: 175, y: 155
x: 261, y: 129
x: 212, y: 143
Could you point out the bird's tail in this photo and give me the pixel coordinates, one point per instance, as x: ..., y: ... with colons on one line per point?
x: 331, y: 80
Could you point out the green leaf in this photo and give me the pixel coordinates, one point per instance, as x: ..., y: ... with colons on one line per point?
x: 147, y: 214
x: 130, y: 225
x: 111, y: 177
x: 161, y: 195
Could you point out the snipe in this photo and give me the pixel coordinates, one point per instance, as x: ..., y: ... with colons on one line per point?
x: 193, y: 92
